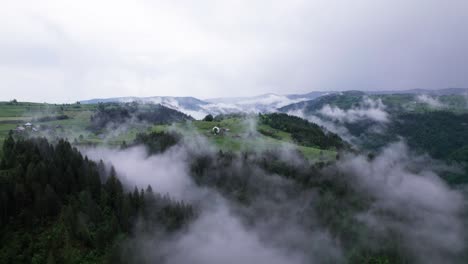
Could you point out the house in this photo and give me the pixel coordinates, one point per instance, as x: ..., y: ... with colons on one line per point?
x: 20, y: 129
x: 219, y: 131
x: 28, y: 125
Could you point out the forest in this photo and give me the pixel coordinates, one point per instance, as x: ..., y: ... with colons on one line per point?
x: 60, y: 207
x: 303, y: 132
x: 114, y: 114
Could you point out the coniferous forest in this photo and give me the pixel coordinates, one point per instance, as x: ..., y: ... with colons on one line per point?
x: 60, y: 207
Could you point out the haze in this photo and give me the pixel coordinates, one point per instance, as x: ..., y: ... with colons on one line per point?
x: 64, y: 51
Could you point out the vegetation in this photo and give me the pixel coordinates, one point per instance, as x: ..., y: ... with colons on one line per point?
x: 114, y: 115
x: 59, y: 207
x: 336, y: 203
x: 303, y: 132
x: 157, y: 142
x: 208, y: 118
x: 74, y: 117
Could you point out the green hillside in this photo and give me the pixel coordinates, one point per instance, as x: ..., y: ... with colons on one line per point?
x: 14, y: 114
x: 248, y: 134
x: 89, y: 125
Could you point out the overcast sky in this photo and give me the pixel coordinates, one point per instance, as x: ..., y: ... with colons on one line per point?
x: 63, y: 51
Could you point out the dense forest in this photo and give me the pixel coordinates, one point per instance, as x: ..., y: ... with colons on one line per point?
x: 323, y: 196
x: 441, y: 134
x: 59, y: 207
x: 302, y: 131
x: 157, y: 142
x: 116, y: 114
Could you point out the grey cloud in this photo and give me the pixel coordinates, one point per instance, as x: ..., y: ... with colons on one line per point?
x: 165, y: 173
x: 242, y: 48
x: 430, y: 101
x: 407, y: 199
x: 368, y: 109
x: 413, y: 202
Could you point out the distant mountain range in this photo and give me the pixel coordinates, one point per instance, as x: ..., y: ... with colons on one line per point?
x: 262, y: 103
x: 200, y: 108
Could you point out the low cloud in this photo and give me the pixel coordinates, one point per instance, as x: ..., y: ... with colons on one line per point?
x: 166, y: 173
x: 408, y: 204
x: 224, y: 231
x: 430, y: 101
x: 368, y: 109
x: 411, y: 201
x: 331, y: 126
x: 217, y: 236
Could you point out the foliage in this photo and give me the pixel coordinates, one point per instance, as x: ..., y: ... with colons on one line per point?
x: 157, y: 142
x: 50, y: 118
x: 59, y: 207
x: 249, y: 177
x: 302, y: 131
x: 208, y: 118
x: 114, y: 115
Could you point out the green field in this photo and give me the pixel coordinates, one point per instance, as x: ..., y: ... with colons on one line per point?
x: 13, y: 115
x: 241, y: 134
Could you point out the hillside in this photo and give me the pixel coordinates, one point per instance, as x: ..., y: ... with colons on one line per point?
x: 117, y: 124
x: 430, y: 124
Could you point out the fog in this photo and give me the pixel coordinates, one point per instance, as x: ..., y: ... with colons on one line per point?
x: 430, y: 101
x: 408, y: 200
x: 412, y: 200
x: 367, y: 109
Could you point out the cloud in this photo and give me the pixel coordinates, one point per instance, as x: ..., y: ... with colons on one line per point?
x: 166, y: 173
x: 410, y: 199
x: 430, y: 101
x: 333, y: 118
x: 218, y: 236
x: 60, y: 51
x: 368, y: 109
x: 224, y: 231
x: 333, y: 127
x: 407, y: 203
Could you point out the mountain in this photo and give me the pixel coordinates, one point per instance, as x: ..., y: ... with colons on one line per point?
x: 199, y: 108
x: 261, y: 103
x: 453, y: 99
x: 309, y: 96
x: 113, y: 115
x: 341, y: 99
x: 188, y: 105
x: 445, y: 91
x: 269, y: 102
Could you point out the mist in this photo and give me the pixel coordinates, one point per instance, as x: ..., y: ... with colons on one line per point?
x: 367, y: 109
x: 430, y: 101
x: 412, y: 200
x: 407, y: 201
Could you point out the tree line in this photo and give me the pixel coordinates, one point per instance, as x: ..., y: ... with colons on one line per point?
x: 57, y: 206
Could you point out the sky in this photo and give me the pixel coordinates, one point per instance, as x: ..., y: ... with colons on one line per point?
x: 64, y: 51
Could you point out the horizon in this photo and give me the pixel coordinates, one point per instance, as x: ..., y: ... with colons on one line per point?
x: 230, y: 97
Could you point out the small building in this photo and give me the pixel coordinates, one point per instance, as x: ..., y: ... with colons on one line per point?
x: 28, y: 125
x: 20, y: 129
